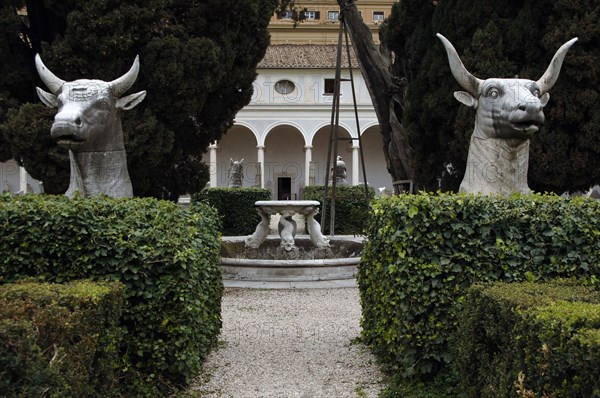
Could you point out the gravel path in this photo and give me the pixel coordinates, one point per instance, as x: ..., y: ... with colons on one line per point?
x: 290, y: 343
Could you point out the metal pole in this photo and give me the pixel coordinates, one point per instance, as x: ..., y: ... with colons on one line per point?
x: 335, y: 113
x: 360, y: 147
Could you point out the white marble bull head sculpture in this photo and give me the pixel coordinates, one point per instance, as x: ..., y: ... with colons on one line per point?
x: 509, y: 112
x: 88, y: 124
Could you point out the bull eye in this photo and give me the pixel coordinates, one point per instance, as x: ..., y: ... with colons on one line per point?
x: 493, y: 93
x: 103, y: 105
x: 536, y: 93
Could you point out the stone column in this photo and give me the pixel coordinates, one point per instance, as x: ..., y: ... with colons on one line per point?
x: 212, y: 166
x: 307, y: 160
x: 261, y: 162
x: 355, y: 165
x: 23, y: 180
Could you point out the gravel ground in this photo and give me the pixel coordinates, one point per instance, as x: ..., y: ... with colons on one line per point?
x: 290, y: 343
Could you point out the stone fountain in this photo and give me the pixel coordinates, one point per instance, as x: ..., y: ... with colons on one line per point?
x: 288, y: 260
x: 287, y: 226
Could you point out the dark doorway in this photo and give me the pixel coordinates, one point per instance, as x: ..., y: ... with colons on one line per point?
x: 284, y: 188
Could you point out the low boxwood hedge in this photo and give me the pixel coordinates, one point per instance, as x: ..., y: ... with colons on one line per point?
x: 60, y: 340
x: 351, y: 207
x: 526, y: 339
x: 424, y: 251
x: 167, y: 258
x: 235, y: 206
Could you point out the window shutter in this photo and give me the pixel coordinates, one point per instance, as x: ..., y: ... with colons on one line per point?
x: 317, y: 14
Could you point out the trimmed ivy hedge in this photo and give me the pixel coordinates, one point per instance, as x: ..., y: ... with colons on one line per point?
x: 167, y: 258
x: 424, y: 251
x: 351, y: 207
x: 60, y: 340
x: 235, y: 207
x: 526, y: 339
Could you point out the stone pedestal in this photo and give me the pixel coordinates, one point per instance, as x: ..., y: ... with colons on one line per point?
x: 287, y: 226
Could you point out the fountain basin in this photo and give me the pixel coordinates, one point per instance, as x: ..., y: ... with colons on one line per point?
x: 305, y: 266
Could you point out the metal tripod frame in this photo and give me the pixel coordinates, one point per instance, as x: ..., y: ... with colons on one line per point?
x: 333, y: 133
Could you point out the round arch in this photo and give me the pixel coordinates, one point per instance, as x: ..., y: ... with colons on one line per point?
x: 249, y: 127
x: 320, y: 126
x: 369, y: 126
x: 284, y: 160
x: 375, y: 165
x: 239, y: 142
x: 320, y: 144
x: 279, y: 125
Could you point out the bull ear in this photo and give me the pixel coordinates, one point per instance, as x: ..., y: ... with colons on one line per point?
x: 544, y: 99
x: 130, y: 102
x: 465, y: 98
x: 48, y: 99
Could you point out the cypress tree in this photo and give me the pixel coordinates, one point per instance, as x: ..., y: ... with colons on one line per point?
x: 500, y: 39
x: 197, y: 63
x: 15, y: 86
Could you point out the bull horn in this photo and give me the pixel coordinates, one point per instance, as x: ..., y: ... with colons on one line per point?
x: 466, y: 80
x: 547, y: 81
x: 49, y: 78
x: 122, y: 84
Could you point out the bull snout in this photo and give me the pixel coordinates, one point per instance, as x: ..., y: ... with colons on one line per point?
x: 67, y: 130
x: 528, y: 116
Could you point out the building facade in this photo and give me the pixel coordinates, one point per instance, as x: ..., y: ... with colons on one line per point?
x: 283, y: 134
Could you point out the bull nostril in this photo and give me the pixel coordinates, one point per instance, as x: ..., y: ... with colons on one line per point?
x: 78, y: 122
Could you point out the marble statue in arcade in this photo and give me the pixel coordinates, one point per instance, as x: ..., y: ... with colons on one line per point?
x: 235, y: 176
x: 341, y: 174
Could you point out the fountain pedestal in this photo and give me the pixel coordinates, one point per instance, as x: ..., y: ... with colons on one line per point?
x: 287, y: 226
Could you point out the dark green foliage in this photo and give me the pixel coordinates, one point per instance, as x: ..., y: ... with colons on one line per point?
x: 500, y: 39
x: 235, y: 207
x: 60, y: 340
x: 424, y: 251
x: 35, y: 146
x: 167, y: 257
x: 351, y: 207
x: 293, y: 6
x: 442, y: 386
x: 15, y: 84
x: 197, y: 63
x: 543, y: 339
